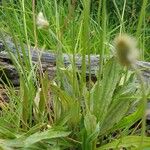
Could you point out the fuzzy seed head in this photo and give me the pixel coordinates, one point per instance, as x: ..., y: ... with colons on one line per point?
x: 126, y: 49
x: 41, y: 21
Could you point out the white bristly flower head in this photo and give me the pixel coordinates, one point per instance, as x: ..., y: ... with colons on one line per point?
x: 41, y: 21
x: 126, y: 49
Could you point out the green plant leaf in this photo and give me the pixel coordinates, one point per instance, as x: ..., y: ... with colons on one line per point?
x: 120, y: 105
x: 102, y: 93
x: 127, y: 142
x: 92, y: 131
x: 90, y: 123
x: 48, y: 134
x: 70, y: 106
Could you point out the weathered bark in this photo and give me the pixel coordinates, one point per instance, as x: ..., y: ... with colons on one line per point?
x: 48, y: 62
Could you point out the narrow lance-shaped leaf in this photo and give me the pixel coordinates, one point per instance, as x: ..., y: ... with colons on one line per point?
x: 49, y: 134
x: 119, y: 106
x: 127, y: 142
x: 101, y: 95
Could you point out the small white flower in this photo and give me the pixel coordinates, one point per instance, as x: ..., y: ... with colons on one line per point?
x: 49, y: 126
x: 41, y: 21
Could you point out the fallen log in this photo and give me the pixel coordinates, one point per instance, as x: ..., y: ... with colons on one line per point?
x: 48, y: 62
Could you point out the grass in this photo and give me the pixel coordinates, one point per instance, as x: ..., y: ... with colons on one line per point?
x: 66, y: 113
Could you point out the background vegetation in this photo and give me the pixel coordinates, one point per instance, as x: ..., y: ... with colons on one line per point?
x: 67, y: 19
x: 65, y: 113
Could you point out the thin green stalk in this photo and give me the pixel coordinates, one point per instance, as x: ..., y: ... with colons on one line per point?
x: 144, y: 103
x: 143, y: 39
x: 59, y: 61
x: 34, y: 23
x: 122, y: 18
x: 99, y: 12
x: 85, y: 40
x: 117, y: 9
x: 28, y: 88
x: 140, y: 23
x: 59, y: 37
x: 102, y: 37
x: 85, y: 36
x: 71, y: 10
x: 26, y: 33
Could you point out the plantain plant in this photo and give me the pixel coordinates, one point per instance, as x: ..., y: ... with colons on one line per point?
x: 69, y: 112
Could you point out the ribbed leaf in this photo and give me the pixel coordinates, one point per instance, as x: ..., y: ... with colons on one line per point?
x: 127, y: 142
x: 101, y: 95
x: 119, y: 106
x: 92, y: 131
x: 33, y: 140
x: 70, y: 106
x: 115, y: 114
x: 49, y: 134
